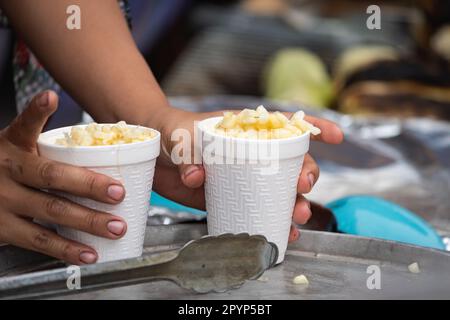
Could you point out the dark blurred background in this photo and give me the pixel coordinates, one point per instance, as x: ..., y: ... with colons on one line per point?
x: 258, y: 47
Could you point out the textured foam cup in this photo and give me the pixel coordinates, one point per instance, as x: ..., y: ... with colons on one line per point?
x: 134, y: 165
x: 252, y: 190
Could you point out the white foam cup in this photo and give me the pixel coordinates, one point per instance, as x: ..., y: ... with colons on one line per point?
x: 251, y: 184
x: 134, y: 165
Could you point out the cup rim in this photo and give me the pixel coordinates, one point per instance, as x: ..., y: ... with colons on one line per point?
x: 291, y: 147
x: 201, y: 126
x: 41, y: 140
x: 98, y: 156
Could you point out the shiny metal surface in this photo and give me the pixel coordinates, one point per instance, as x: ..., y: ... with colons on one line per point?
x: 163, y: 216
x: 209, y: 264
x: 335, y: 264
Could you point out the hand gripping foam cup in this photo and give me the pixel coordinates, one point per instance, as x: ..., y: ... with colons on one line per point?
x: 252, y: 169
x: 124, y: 152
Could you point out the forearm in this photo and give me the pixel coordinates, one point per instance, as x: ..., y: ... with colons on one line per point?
x: 99, y: 65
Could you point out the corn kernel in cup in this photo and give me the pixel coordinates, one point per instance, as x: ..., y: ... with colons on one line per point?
x: 261, y: 124
x: 105, y: 135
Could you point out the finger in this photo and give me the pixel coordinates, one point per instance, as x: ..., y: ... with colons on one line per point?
x: 302, y: 210
x: 330, y: 132
x: 294, y: 233
x: 308, y: 176
x: 57, y: 210
x: 40, y: 173
x: 192, y: 175
x: 167, y: 182
x: 28, y: 235
x: 25, y: 129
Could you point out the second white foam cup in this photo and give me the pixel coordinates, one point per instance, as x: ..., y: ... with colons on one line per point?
x: 251, y: 184
x: 134, y: 165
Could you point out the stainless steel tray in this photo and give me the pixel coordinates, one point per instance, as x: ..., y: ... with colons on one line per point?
x: 335, y: 264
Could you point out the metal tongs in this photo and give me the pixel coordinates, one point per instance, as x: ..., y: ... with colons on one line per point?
x: 208, y: 264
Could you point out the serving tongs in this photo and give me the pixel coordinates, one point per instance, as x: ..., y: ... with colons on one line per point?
x: 209, y: 264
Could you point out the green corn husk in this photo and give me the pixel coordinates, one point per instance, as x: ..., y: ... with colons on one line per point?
x: 297, y: 75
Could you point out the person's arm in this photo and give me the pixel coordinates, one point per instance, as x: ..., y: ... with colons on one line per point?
x: 99, y: 65
x: 102, y: 69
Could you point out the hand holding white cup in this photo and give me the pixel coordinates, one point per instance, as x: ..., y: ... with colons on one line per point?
x: 252, y: 162
x: 124, y: 152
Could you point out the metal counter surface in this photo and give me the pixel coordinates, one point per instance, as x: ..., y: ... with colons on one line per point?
x: 336, y: 266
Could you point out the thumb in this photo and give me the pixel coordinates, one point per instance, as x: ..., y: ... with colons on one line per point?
x: 25, y: 128
x: 192, y: 175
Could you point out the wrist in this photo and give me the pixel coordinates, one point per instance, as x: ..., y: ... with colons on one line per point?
x: 170, y: 119
x: 156, y: 117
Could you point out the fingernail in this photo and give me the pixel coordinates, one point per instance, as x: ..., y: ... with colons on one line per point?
x: 115, y: 192
x: 311, y: 180
x: 116, y: 227
x: 310, y: 213
x: 43, y: 99
x: 88, y: 257
x: 190, y: 170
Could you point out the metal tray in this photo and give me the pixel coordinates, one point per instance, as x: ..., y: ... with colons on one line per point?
x: 335, y: 264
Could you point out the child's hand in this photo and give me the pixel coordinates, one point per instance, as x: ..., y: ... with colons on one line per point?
x: 184, y: 183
